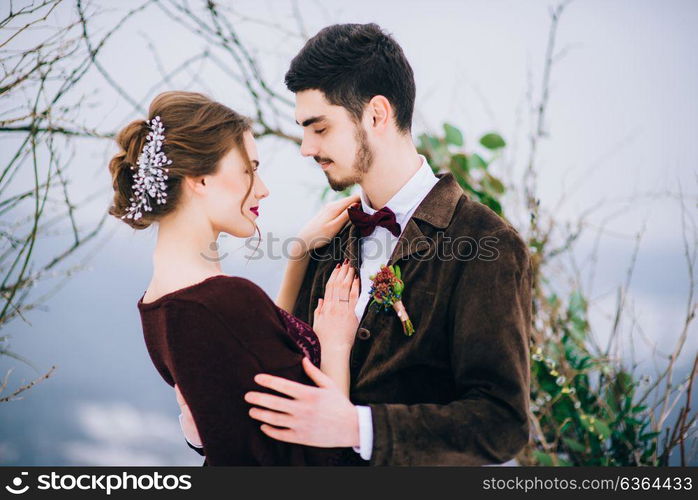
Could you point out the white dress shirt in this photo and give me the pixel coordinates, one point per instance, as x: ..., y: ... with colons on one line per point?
x: 376, y: 250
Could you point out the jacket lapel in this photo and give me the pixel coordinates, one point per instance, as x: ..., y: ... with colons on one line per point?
x: 436, y: 209
x: 352, y: 246
x: 411, y: 240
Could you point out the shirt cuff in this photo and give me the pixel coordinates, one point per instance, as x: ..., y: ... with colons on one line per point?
x: 365, y: 432
x: 196, y: 445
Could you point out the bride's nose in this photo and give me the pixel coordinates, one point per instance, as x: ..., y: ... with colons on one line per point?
x: 261, y: 190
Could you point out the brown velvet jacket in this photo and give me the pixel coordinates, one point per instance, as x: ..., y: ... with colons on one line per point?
x: 456, y: 392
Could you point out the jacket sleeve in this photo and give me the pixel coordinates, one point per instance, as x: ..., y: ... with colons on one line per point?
x: 489, y: 327
x: 214, y: 367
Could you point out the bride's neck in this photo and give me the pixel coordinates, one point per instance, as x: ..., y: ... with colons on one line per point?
x: 185, y: 247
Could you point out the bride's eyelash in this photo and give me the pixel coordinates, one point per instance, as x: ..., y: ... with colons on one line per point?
x: 320, y: 131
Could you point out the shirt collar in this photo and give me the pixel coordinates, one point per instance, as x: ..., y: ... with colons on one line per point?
x: 408, y: 196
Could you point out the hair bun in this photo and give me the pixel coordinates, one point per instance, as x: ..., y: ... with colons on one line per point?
x: 121, y: 167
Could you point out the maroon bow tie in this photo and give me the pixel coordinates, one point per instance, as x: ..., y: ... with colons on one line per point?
x: 367, y: 223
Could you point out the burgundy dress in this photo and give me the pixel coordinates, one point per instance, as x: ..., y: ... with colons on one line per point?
x: 211, y: 339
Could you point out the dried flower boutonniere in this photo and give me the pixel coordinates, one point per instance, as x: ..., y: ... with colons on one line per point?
x: 386, y: 291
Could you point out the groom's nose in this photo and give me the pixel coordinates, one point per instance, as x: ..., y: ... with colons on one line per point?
x: 308, y: 146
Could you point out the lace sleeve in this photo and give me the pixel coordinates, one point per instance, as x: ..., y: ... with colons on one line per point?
x: 303, y: 335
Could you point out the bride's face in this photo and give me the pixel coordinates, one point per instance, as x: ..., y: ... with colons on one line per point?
x: 225, y: 191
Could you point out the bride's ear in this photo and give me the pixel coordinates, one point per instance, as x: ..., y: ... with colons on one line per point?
x: 197, y: 185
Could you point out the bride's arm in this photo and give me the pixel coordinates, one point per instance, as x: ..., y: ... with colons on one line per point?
x: 293, y: 276
x: 335, y: 324
x: 335, y: 364
x: 316, y: 233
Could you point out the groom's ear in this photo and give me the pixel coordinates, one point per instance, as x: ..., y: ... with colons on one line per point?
x: 380, y: 111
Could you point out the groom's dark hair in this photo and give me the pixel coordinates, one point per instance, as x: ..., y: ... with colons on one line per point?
x: 352, y: 63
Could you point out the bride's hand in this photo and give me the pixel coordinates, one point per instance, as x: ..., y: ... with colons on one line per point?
x: 334, y: 319
x: 326, y: 223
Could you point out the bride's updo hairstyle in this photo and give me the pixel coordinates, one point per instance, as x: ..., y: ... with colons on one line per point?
x: 198, y: 133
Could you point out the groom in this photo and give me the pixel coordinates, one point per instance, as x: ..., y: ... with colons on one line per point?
x: 456, y: 391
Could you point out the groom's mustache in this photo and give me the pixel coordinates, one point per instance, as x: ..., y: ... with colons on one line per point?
x: 321, y: 160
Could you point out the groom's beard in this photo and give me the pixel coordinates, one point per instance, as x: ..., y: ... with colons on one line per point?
x: 362, y: 163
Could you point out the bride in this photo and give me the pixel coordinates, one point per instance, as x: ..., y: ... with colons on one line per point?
x: 191, y: 168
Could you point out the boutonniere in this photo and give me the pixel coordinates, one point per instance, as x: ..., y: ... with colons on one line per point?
x: 386, y: 291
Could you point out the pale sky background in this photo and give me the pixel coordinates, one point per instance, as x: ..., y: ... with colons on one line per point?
x: 622, y: 118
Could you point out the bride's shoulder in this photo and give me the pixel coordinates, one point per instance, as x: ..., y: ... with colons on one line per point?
x: 241, y: 286
x: 234, y: 293
x: 224, y: 300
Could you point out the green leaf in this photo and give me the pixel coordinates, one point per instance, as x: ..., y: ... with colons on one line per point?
x: 603, y: 428
x: 612, y: 401
x: 494, y: 184
x: 492, y: 203
x: 459, y: 164
x: 625, y: 385
x: 477, y: 193
x: 632, y: 421
x: 428, y: 143
x: 577, y: 305
x: 575, y: 445
x: 477, y: 161
x: 649, y: 435
x: 585, y: 362
x: 397, y: 272
x: 453, y: 135
x: 462, y: 181
x: 492, y: 141
x: 542, y: 458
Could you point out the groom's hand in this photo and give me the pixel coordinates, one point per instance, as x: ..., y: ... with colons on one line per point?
x: 319, y: 416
